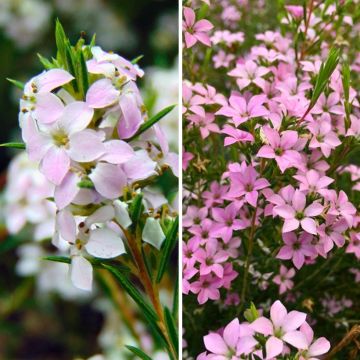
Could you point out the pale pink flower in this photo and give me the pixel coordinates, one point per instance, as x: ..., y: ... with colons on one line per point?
x: 281, y: 147
x: 354, y: 244
x: 283, y: 279
x: 207, y: 287
x: 282, y: 328
x: 246, y: 183
x: 323, y: 136
x: 249, y: 73
x: 313, y: 182
x: 235, y: 135
x: 225, y: 345
x: 241, y: 110
x: 204, y: 120
x: 314, y: 348
x: 297, y: 214
x: 195, y: 31
x: 297, y: 248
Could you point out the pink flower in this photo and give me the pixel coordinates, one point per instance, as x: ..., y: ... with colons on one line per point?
x: 296, y: 11
x: 284, y: 279
x: 328, y: 105
x: 186, y: 158
x: 249, y: 73
x: 296, y: 214
x: 216, y: 195
x: 194, y: 216
x: 296, y: 248
x: 246, y: 183
x: 323, y: 136
x: 340, y: 205
x: 203, y: 120
x: 207, y: 287
x: 195, y: 30
x: 280, y: 148
x: 313, y: 182
x: 314, y: 348
x: 225, y: 346
x: 226, y: 221
x: 330, y: 233
x: 241, y: 111
x: 211, y: 258
x: 282, y: 328
x: 354, y: 244
x: 235, y: 135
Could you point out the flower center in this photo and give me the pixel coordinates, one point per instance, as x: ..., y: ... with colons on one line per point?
x: 60, y: 138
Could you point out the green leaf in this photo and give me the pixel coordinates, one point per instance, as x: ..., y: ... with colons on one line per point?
x: 251, y: 314
x: 172, y: 329
x: 46, y: 63
x: 138, y: 352
x: 17, y: 83
x: 169, y: 243
x: 152, y: 121
x: 62, y: 259
x: 14, y: 145
x: 137, y: 59
x: 133, y: 292
x: 60, y: 39
x: 70, y: 61
x: 326, y: 70
x: 175, y: 306
x: 83, y: 74
x: 136, y: 209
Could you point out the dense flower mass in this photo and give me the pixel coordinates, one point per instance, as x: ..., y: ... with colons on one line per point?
x: 90, y: 134
x: 283, y: 333
x: 269, y: 153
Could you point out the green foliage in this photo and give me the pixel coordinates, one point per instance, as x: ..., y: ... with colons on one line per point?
x: 152, y: 121
x: 322, y: 79
x: 172, y: 329
x: 133, y: 292
x: 138, y: 352
x: 14, y: 145
x: 169, y: 243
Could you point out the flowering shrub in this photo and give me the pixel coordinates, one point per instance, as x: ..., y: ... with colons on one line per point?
x: 85, y: 125
x: 271, y: 206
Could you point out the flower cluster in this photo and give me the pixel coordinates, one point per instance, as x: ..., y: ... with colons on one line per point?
x: 89, y: 131
x: 284, y: 333
x: 271, y: 128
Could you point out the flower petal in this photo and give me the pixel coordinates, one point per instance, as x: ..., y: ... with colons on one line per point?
x: 105, y: 243
x: 81, y: 273
x: 153, y: 233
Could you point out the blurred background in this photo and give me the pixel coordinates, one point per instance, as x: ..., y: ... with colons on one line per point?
x: 42, y: 317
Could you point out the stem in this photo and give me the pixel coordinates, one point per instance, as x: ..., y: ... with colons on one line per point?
x: 151, y: 289
x: 349, y: 337
x: 248, y: 258
x: 120, y: 301
x: 307, y: 23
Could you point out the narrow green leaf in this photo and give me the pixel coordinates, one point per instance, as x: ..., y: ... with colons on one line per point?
x: 17, y: 83
x: 136, y: 209
x: 60, y: 39
x: 93, y: 41
x: 62, y: 259
x: 138, y: 352
x: 14, y: 145
x: 326, y: 70
x: 84, y: 74
x: 175, y: 306
x: 172, y: 328
x: 137, y: 59
x: 133, y: 292
x: 70, y: 61
x: 152, y: 121
x: 46, y: 63
x: 169, y: 243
